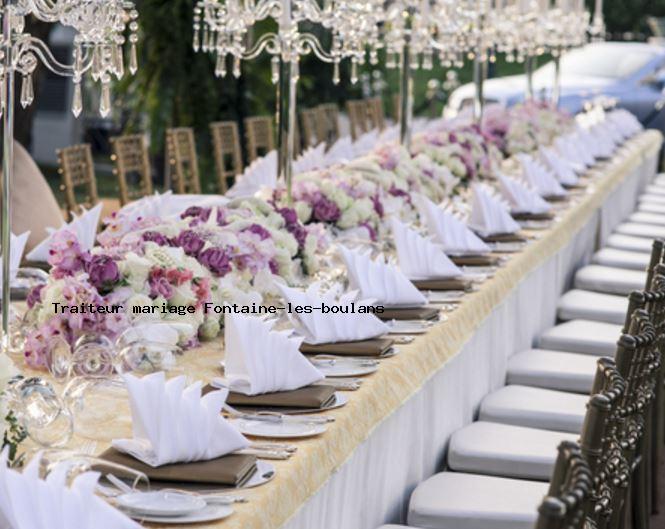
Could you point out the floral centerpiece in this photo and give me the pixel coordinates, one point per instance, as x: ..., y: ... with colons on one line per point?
x: 205, y: 255
x: 524, y: 127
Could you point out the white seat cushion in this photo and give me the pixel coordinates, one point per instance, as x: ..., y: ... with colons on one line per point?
x: 651, y: 207
x: 546, y: 409
x: 652, y: 198
x: 503, y: 450
x: 452, y: 500
x: 582, y: 336
x: 648, y: 231
x: 392, y: 526
x: 644, y: 217
x: 552, y: 370
x: 654, y: 189
x: 622, y: 259
x: 630, y: 243
x: 596, y: 306
x: 659, y: 180
x: 609, y: 280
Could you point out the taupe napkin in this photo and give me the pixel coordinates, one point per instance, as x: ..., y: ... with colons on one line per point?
x: 415, y: 313
x: 375, y: 347
x: 313, y: 397
x: 233, y: 469
x: 504, y: 237
x: 475, y: 260
x: 443, y: 284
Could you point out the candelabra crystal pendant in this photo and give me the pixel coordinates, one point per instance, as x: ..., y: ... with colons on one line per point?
x: 77, y: 99
x: 27, y: 91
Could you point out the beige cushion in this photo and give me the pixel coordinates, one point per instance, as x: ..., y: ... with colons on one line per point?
x: 34, y: 207
x: 452, y: 500
x: 535, y: 408
x: 582, y: 336
x: 586, y: 305
x: 644, y: 217
x: 613, y: 257
x: 650, y: 207
x: 552, y: 370
x: 610, y: 280
x: 649, y: 231
x: 630, y: 243
x: 504, y: 450
x: 655, y: 189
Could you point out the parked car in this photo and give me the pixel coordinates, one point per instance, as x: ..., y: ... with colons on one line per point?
x: 632, y: 73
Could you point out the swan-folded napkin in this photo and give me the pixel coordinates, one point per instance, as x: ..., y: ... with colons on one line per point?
x: 173, y: 423
x: 259, y: 359
x: 521, y: 198
x: 489, y: 215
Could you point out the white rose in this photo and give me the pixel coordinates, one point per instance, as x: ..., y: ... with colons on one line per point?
x: 303, y: 210
x: 135, y: 270
x: 138, y: 300
x: 183, y: 295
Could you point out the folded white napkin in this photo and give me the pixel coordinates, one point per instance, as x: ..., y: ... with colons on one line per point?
x: 380, y: 281
x: 522, y: 199
x: 490, y: 216
x: 564, y: 170
x: 539, y: 177
x: 16, y: 246
x: 420, y: 258
x: 310, y: 160
x: 259, y: 174
x: 172, y: 423
x: 164, y: 205
x: 342, y: 325
x: 341, y: 151
x: 567, y: 148
x: 28, y: 502
x: 259, y: 359
x: 455, y: 237
x: 84, y: 227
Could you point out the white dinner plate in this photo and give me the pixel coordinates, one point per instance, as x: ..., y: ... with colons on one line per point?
x: 160, y: 503
x: 346, y: 367
x: 507, y: 247
x: 278, y: 430
x: 445, y: 296
x: 409, y: 327
x: 209, y: 513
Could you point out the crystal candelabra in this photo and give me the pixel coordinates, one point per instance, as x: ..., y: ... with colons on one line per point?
x: 222, y: 27
x: 98, y: 52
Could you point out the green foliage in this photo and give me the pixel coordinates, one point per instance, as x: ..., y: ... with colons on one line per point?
x: 15, y: 434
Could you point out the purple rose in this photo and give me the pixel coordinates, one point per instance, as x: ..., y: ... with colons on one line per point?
x: 325, y: 210
x: 274, y: 267
x: 378, y: 207
x: 259, y: 230
x: 102, y: 271
x: 156, y: 237
x: 289, y: 215
x: 159, y: 284
x: 35, y: 296
x: 216, y: 260
x: 190, y: 242
x: 196, y: 212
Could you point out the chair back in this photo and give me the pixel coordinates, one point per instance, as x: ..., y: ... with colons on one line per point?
x: 228, y: 157
x: 570, y: 487
x: 182, y: 161
x: 359, y: 119
x: 328, y: 122
x: 260, y: 136
x: 77, y: 171
x: 131, y: 166
x: 376, y: 115
x: 309, y: 119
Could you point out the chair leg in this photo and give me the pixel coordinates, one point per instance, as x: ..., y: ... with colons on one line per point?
x: 639, y: 498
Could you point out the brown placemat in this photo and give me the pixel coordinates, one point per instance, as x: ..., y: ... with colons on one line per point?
x: 415, y: 313
x: 533, y: 216
x: 313, y: 397
x: 505, y: 237
x: 442, y: 284
x: 475, y: 260
x: 375, y: 347
x: 232, y: 470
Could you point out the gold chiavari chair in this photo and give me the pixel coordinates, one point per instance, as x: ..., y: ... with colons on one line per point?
x: 77, y: 171
x: 375, y: 114
x: 228, y: 158
x: 182, y: 162
x: 260, y: 136
x: 328, y: 122
x: 309, y: 119
x: 131, y: 166
x: 358, y: 117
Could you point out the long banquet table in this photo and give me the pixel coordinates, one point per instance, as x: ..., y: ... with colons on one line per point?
x: 393, y: 432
